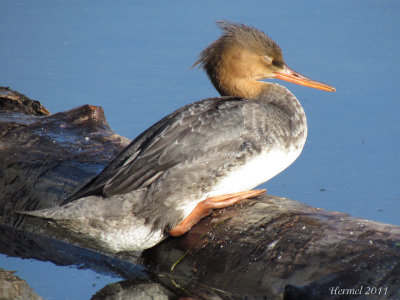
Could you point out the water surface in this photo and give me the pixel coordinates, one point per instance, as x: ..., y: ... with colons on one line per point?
x: 133, y: 58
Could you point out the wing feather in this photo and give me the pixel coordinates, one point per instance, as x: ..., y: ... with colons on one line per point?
x: 190, y: 131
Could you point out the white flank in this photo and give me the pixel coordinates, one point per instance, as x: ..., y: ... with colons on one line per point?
x: 258, y: 170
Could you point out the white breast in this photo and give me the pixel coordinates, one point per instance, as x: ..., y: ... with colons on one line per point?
x: 258, y: 170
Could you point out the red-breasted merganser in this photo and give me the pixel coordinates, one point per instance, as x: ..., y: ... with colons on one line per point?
x: 208, y: 154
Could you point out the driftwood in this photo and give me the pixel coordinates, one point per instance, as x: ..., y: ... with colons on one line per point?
x: 266, y: 248
x: 13, y: 287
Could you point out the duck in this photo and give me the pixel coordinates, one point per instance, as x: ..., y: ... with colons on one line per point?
x: 205, y: 155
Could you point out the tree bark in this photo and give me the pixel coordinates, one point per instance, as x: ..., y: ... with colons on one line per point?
x: 267, y: 248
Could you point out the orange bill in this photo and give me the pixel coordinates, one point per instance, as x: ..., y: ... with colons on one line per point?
x: 292, y: 76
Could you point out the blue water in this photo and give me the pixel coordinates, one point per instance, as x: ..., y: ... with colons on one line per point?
x: 133, y: 58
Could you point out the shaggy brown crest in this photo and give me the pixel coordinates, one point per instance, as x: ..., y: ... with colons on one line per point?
x: 240, y: 53
x: 242, y: 35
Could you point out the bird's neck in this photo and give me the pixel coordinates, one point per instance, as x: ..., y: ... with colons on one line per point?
x: 242, y: 87
x: 281, y: 97
x: 267, y: 92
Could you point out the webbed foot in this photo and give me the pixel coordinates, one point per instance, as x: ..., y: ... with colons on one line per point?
x: 205, y: 207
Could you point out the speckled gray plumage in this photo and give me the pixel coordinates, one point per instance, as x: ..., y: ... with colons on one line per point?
x: 192, y: 148
x: 187, y: 152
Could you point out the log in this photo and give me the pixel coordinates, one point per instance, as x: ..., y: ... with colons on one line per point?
x: 13, y: 287
x: 265, y: 248
x: 14, y: 101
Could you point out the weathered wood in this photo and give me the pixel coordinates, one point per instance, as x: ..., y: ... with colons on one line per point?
x: 16, y: 102
x: 271, y: 247
x: 13, y: 287
x: 45, y: 158
x: 275, y: 245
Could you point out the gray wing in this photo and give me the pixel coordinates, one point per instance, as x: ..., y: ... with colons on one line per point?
x: 193, y: 130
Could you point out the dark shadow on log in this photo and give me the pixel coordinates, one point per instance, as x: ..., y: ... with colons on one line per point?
x: 23, y: 244
x: 142, y: 282
x: 267, y: 248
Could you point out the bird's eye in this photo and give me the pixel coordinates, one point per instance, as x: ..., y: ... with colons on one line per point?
x: 278, y: 63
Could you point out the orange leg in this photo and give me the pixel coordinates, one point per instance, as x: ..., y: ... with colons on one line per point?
x: 205, y: 207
